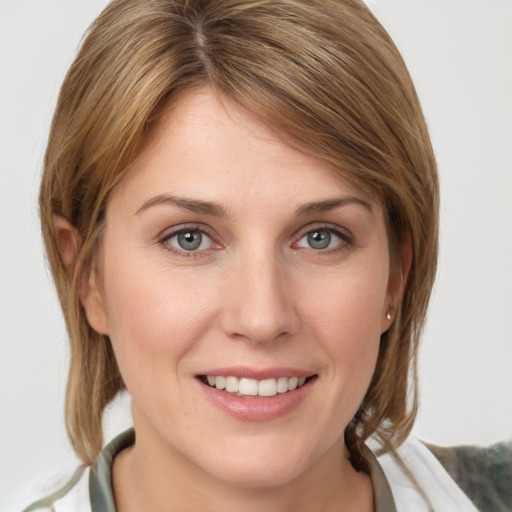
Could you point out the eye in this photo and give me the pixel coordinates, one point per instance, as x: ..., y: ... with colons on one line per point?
x: 188, y: 240
x: 322, y: 238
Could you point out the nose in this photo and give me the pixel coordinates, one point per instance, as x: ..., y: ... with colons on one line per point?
x: 259, y: 304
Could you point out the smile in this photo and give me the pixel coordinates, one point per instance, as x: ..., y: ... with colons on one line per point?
x: 253, y: 387
x: 256, y: 395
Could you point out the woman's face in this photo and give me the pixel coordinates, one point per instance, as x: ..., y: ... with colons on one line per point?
x: 230, y: 259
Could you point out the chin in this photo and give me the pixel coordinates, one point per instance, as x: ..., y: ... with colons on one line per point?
x: 256, y: 462
x: 257, y: 473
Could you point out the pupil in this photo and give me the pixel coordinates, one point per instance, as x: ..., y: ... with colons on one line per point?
x: 190, y: 240
x: 319, y: 239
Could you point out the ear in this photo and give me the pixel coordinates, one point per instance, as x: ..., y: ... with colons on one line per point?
x: 397, y: 279
x: 93, y: 302
x: 91, y: 295
x: 66, y: 237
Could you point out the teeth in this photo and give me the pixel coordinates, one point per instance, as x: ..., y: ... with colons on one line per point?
x: 232, y: 384
x: 220, y: 382
x: 282, y: 385
x: 248, y: 387
x: 253, y: 387
x: 267, y: 387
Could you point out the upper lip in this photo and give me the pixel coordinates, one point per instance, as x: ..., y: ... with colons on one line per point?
x: 257, y: 373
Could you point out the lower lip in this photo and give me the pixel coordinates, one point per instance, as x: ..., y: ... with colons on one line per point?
x: 252, y: 408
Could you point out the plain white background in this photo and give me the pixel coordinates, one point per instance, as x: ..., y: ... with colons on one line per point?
x: 460, y: 55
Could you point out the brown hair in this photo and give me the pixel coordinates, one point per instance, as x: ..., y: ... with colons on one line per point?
x: 324, y: 75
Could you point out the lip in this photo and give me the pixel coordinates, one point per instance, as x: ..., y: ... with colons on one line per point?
x: 257, y: 373
x: 250, y: 408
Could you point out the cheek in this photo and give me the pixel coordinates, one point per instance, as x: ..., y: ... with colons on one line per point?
x: 346, y: 317
x: 349, y: 308
x: 154, y: 317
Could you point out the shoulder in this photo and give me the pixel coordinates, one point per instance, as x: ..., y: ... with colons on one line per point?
x: 65, y: 491
x: 463, y: 478
x: 484, y: 474
x: 419, y: 482
x: 81, y: 490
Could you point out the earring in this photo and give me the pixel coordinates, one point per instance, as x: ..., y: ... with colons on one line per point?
x: 388, y: 315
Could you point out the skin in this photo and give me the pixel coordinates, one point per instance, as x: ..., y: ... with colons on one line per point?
x: 255, y: 294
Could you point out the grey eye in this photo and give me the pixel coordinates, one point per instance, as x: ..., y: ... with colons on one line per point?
x: 189, y: 240
x: 320, y: 239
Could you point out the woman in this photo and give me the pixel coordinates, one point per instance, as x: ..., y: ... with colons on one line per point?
x: 240, y: 210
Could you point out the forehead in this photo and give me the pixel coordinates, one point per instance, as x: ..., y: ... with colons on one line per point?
x: 215, y: 150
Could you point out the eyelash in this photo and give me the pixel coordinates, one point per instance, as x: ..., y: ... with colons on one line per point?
x: 346, y: 240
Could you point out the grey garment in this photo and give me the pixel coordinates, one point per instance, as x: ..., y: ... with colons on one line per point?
x: 382, y: 494
x: 100, y: 477
x: 484, y: 474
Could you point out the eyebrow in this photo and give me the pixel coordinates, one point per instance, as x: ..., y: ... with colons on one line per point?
x: 217, y: 210
x: 330, y: 204
x: 192, y: 205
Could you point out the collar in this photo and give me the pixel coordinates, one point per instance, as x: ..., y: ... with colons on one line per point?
x: 100, y: 477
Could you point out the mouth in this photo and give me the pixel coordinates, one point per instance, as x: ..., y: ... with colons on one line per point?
x: 247, y: 387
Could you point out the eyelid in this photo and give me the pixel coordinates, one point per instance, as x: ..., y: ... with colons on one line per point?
x: 344, y: 233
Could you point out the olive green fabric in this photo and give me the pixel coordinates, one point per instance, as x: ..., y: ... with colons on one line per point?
x: 100, y: 478
x: 484, y: 474
x: 383, y: 496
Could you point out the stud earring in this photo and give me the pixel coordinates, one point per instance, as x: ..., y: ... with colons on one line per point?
x: 388, y: 315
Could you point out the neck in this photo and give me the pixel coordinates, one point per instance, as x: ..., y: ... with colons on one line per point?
x: 148, y: 477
